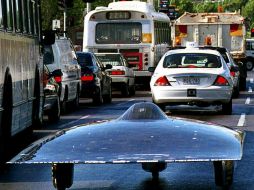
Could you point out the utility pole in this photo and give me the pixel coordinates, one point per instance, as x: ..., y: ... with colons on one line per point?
x: 65, y: 10
x: 88, y: 7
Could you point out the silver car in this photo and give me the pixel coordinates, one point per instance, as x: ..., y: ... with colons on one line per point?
x: 122, y: 76
x: 192, y: 76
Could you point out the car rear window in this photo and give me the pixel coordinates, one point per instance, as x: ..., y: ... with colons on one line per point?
x: 85, y: 60
x: 48, y: 56
x: 114, y: 60
x: 192, y: 60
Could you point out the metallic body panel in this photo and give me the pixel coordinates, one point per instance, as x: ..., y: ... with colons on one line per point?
x: 142, y: 134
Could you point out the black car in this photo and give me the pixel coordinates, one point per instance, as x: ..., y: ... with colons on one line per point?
x: 96, y: 82
x: 51, y: 95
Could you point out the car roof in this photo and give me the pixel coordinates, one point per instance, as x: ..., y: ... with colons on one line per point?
x: 108, y: 54
x: 193, y: 50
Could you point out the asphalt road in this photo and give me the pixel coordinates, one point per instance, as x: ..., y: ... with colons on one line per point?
x: 131, y: 176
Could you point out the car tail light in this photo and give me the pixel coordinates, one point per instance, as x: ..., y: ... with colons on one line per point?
x: 232, y: 73
x: 87, y: 77
x: 58, y: 79
x: 117, y: 72
x: 221, y: 81
x: 162, y: 81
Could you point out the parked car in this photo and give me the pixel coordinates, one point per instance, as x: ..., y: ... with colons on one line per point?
x: 96, y: 82
x: 192, y: 76
x: 249, y: 54
x: 61, y: 55
x: 123, y: 78
x: 51, y: 94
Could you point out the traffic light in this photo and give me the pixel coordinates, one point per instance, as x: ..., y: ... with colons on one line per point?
x: 252, y: 32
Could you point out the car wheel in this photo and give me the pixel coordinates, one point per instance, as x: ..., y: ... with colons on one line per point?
x: 249, y: 65
x: 75, y: 102
x: 64, y: 103
x: 154, y: 168
x: 108, y: 97
x: 242, y: 83
x: 236, y: 91
x: 161, y: 106
x: 54, y: 113
x: 224, y: 172
x: 133, y: 90
x: 126, y: 90
x: 62, y: 175
x: 227, y: 108
x: 97, y: 99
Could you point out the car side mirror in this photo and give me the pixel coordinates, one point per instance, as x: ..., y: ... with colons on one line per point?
x: 151, y: 69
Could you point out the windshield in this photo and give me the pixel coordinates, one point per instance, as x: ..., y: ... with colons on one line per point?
x: 84, y: 59
x: 192, y: 60
x: 115, y: 33
x: 112, y: 59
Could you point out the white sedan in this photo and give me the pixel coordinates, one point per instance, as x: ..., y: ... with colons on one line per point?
x: 194, y: 77
x: 122, y: 75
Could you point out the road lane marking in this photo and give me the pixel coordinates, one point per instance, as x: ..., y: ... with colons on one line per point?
x: 251, y: 80
x: 250, y: 89
x: 241, y: 121
x: 72, y: 122
x: 247, y: 100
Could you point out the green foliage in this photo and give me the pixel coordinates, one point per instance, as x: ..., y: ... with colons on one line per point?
x: 75, y: 15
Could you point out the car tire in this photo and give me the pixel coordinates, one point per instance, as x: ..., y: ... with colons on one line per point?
x: 161, y: 106
x: 108, y: 97
x: 62, y: 175
x: 54, y: 113
x: 126, y: 90
x: 75, y: 102
x: 98, y: 99
x: 154, y: 168
x: 249, y: 65
x: 227, y: 108
x: 236, y: 91
x: 243, y: 83
x: 64, y: 103
x: 132, y: 90
x: 224, y: 173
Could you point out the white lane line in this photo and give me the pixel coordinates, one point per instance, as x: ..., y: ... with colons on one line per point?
x: 250, y: 89
x: 251, y: 80
x: 241, y: 121
x: 247, y: 100
x: 72, y: 122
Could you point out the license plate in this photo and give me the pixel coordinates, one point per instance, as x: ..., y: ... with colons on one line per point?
x: 191, y: 81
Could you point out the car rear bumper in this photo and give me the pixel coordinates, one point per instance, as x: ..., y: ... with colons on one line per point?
x: 88, y: 90
x: 211, y: 95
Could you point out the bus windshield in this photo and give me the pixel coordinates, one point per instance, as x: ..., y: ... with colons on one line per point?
x: 115, y: 33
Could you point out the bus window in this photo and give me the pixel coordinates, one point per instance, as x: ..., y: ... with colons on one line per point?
x: 9, y: 15
x: 18, y: 16
x: 1, y: 15
x: 25, y: 17
x: 115, y: 33
x: 33, y: 12
x: 31, y: 17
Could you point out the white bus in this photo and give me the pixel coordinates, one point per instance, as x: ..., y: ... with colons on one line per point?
x: 132, y: 28
x: 21, y: 85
